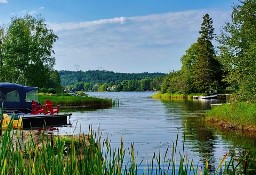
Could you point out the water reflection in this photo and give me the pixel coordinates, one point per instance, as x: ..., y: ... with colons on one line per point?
x: 201, y: 139
x: 243, y: 149
x: 153, y: 125
x: 209, y: 143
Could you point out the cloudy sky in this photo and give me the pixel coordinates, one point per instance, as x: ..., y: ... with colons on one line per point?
x: 121, y: 35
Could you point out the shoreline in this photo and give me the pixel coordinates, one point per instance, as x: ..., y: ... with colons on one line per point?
x: 227, y: 126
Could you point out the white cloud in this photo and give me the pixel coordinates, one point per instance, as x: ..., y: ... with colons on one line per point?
x: 83, y: 25
x: 30, y: 12
x: 152, y: 43
x: 3, y: 1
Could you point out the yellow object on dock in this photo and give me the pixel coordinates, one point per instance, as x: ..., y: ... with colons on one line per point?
x: 16, y: 123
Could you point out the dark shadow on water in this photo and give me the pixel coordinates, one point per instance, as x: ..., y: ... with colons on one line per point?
x: 204, y: 139
x: 201, y: 138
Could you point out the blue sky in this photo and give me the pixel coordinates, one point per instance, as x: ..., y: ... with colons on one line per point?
x: 121, y: 35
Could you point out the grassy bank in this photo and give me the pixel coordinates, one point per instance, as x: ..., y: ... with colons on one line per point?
x: 168, y: 96
x: 89, y: 154
x: 69, y: 101
x: 240, y: 115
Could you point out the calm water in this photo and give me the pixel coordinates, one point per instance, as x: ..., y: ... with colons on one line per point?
x: 153, y: 126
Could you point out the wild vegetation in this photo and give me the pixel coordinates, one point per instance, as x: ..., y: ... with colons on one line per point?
x: 237, y: 52
x: 110, y: 81
x: 70, y: 101
x: 240, y: 116
x: 89, y: 154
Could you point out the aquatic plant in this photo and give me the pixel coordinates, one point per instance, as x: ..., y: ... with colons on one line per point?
x: 89, y: 154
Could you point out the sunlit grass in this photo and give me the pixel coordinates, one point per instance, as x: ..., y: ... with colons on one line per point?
x: 168, y: 96
x: 237, y: 113
x: 76, y: 101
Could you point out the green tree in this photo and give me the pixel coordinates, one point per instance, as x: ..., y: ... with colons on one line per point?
x: 237, y: 50
x: 27, y: 52
x: 54, y: 81
x: 79, y: 86
x: 145, y: 84
x: 102, y: 88
x: 188, y: 60
x: 206, y: 68
x: 173, y: 83
x: 87, y: 86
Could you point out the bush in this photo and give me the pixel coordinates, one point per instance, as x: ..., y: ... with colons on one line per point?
x: 52, y: 91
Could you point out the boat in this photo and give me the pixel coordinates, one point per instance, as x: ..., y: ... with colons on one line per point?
x: 17, y: 98
x: 21, y: 102
x: 209, y: 97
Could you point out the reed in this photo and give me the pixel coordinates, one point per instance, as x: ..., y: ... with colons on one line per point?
x: 88, y: 154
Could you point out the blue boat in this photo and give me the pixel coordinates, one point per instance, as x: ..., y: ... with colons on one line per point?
x: 17, y: 98
x: 17, y: 101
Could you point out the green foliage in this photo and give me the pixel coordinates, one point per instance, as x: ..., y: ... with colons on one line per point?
x: 110, y: 81
x: 201, y: 72
x: 26, y: 53
x: 52, y: 91
x: 173, y: 83
x: 54, y: 82
x: 188, y: 60
x: 237, y: 50
x: 206, y: 70
x: 102, y: 88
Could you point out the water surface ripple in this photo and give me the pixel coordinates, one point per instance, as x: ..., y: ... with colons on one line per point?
x: 153, y: 126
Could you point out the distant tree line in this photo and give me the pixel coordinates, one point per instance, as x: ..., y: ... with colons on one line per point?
x: 101, y: 80
x: 26, y: 53
x: 231, y: 66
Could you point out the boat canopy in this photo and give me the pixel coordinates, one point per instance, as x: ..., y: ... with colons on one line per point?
x: 17, y: 97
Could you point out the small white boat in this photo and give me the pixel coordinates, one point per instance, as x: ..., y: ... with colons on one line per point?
x: 209, y: 97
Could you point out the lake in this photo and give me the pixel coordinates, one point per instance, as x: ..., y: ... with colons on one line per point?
x: 154, y: 126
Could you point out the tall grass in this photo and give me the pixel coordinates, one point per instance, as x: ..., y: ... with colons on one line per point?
x: 241, y: 113
x: 67, y: 101
x: 89, y: 155
x: 168, y: 96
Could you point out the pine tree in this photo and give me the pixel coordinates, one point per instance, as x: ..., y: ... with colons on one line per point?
x: 206, y: 69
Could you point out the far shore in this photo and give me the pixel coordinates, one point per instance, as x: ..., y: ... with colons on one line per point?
x: 228, y: 126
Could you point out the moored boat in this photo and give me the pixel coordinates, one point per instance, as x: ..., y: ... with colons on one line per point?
x: 21, y: 101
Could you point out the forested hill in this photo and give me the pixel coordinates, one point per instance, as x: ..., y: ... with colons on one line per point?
x: 101, y: 80
x: 102, y: 76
